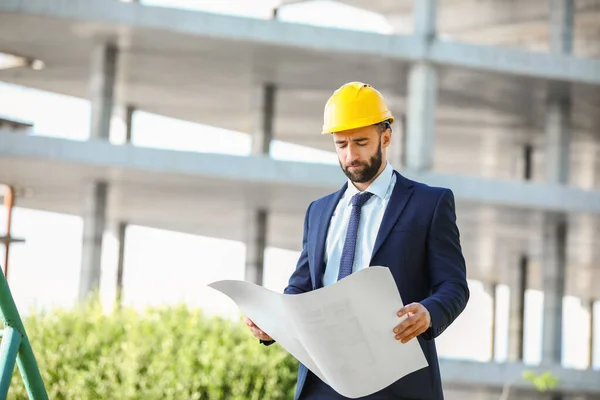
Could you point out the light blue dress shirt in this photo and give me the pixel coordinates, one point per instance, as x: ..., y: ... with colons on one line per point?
x: 370, y: 220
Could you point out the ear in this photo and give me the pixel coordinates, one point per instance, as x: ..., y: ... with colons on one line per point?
x: 386, y: 138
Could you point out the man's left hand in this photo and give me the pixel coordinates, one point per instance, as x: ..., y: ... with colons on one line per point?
x: 418, y: 321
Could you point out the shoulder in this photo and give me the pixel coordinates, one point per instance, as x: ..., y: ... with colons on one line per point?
x: 322, y: 202
x: 427, y: 193
x: 423, y: 188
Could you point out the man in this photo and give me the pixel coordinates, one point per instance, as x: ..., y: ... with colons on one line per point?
x: 381, y: 218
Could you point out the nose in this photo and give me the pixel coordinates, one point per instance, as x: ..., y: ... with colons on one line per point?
x: 351, y: 154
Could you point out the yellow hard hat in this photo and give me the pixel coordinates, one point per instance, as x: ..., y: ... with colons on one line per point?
x: 354, y: 105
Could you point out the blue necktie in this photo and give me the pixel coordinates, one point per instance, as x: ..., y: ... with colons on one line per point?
x: 347, y: 259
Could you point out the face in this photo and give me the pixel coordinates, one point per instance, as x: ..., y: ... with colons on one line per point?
x: 360, y: 152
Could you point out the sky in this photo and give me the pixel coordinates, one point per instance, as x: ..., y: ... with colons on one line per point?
x: 163, y: 267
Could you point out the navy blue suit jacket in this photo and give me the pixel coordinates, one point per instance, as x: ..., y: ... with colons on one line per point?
x: 419, y: 242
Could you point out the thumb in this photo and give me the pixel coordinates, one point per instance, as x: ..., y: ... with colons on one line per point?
x: 412, y: 308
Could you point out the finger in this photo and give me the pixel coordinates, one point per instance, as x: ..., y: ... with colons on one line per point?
x: 253, y: 326
x: 256, y: 331
x: 264, y: 336
x: 411, y: 337
x: 406, y: 332
x: 260, y: 334
x: 411, y: 333
x: 410, y: 322
x: 413, y: 308
x: 406, y: 324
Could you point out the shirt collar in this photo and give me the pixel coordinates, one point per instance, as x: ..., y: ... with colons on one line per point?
x: 378, y: 187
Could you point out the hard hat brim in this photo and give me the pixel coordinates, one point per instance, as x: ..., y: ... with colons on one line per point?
x: 387, y: 116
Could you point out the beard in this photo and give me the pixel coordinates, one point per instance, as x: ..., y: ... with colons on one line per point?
x: 366, y: 170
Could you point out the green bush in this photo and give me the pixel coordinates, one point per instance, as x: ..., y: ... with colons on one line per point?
x: 542, y: 382
x: 161, y: 353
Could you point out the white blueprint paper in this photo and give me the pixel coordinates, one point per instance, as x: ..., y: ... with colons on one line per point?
x: 342, y: 333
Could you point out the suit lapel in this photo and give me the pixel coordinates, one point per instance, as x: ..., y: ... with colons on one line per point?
x: 323, y: 222
x: 402, y: 192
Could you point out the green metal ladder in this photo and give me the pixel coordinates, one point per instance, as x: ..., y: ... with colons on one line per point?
x: 15, y: 347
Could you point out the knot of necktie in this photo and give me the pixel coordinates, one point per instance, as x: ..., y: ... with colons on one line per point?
x: 360, y: 199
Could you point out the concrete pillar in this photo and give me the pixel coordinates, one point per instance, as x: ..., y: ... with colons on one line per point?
x: 592, y: 309
x: 516, y: 313
x: 93, y: 229
x: 425, y: 15
x: 491, y: 290
x: 121, y: 237
x: 129, y: 111
x: 396, y: 151
x: 561, y: 26
x: 102, y: 83
x: 262, y: 136
x: 554, y: 261
x: 558, y: 135
x: 528, y: 162
x: 558, y: 126
x: 257, y: 218
x: 558, y: 114
x: 102, y: 88
x: 122, y: 229
x: 122, y: 132
x: 422, y: 94
x: 256, y: 242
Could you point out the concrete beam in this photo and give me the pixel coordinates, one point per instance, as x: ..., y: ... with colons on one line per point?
x: 551, y: 67
x: 496, y: 375
x: 555, y: 67
x: 218, y: 26
x: 104, y: 156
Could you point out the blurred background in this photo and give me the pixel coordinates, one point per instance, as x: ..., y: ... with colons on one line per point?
x: 149, y: 148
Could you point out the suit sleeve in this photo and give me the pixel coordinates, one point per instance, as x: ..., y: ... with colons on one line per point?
x: 447, y: 269
x: 300, y: 280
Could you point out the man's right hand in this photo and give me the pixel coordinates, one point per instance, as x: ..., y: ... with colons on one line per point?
x: 256, y: 331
